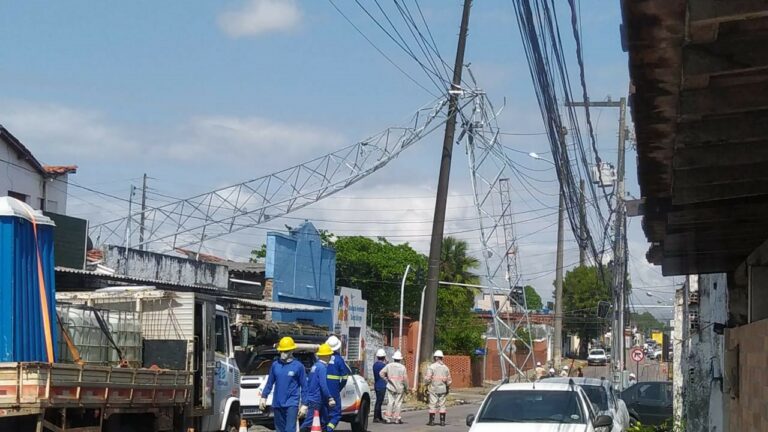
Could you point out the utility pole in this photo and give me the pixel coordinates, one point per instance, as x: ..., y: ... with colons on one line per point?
x: 557, y: 353
x: 438, y: 223
x: 143, y: 210
x: 582, y: 225
x: 128, y: 220
x: 619, y: 257
x: 619, y: 254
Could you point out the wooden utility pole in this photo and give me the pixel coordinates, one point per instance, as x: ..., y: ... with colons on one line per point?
x: 438, y: 223
x: 582, y: 225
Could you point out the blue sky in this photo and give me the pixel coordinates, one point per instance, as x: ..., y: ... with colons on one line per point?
x: 204, y: 94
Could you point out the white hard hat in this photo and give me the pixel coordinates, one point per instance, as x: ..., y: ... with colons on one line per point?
x: 631, y: 375
x: 334, y: 343
x: 565, y: 367
x: 538, y: 364
x: 381, y: 353
x: 438, y: 353
x: 551, y: 370
x: 397, y: 355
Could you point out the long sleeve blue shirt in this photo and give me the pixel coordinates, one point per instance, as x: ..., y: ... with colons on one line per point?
x: 317, y: 385
x: 288, y: 379
x: 379, y: 383
x: 338, y: 372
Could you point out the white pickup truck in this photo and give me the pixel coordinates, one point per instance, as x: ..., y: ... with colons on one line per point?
x: 355, y: 397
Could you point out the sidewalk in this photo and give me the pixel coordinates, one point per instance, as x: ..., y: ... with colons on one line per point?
x: 472, y: 395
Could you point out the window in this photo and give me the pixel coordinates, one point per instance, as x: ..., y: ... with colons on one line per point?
x: 532, y: 406
x: 222, y: 336
x: 597, y: 395
x: 19, y: 196
x: 353, y: 345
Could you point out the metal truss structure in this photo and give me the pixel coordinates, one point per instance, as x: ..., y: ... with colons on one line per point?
x: 490, y: 169
x: 210, y: 215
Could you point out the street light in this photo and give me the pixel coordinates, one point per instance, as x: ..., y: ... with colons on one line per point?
x: 534, y: 155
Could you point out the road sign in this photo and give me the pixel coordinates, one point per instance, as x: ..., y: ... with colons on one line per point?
x: 637, y: 354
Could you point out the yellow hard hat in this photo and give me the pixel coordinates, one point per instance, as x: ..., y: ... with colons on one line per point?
x: 286, y: 344
x: 324, y: 350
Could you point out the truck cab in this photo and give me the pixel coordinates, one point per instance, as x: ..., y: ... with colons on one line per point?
x: 226, y: 378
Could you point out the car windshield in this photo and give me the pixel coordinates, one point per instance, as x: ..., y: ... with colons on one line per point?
x: 532, y: 406
x: 259, y: 364
x: 598, y: 396
x: 597, y: 352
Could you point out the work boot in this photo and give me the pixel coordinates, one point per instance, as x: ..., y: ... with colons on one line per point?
x: 442, y: 419
x: 431, y: 420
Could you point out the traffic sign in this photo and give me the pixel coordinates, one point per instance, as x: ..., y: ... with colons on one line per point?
x: 637, y: 354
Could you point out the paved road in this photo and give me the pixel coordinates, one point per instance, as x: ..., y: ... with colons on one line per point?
x: 414, y: 421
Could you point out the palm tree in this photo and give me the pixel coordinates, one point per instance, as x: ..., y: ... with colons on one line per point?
x: 455, y: 264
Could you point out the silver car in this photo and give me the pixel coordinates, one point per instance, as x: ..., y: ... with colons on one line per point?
x: 600, y: 393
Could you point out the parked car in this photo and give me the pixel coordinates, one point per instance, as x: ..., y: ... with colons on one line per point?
x: 600, y: 392
x: 656, y: 354
x: 597, y: 357
x: 355, y: 397
x: 649, y: 401
x: 541, y: 407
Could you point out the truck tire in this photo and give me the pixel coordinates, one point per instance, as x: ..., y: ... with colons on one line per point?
x: 361, y: 420
x: 233, y: 421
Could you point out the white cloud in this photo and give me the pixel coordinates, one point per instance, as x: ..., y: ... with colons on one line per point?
x: 61, y: 135
x: 252, y: 139
x: 257, y: 17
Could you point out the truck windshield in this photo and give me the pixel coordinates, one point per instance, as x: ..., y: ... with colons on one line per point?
x: 532, y: 406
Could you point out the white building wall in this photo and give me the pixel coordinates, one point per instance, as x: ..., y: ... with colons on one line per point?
x: 21, y: 177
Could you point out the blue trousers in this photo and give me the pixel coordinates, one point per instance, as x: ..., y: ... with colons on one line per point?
x: 334, y: 414
x: 380, y: 393
x: 285, y: 418
x: 323, y: 408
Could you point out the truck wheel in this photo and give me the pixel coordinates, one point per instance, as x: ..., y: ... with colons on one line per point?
x: 361, y: 420
x: 233, y: 422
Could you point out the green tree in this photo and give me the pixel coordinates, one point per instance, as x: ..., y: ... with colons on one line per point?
x: 260, y: 253
x: 646, y: 322
x: 583, y: 290
x: 376, y: 268
x: 455, y: 264
x: 532, y: 298
x: 458, y: 329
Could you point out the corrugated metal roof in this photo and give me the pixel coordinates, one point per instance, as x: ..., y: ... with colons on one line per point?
x: 277, y: 306
x: 131, y: 279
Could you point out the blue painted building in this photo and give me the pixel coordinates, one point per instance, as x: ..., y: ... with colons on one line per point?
x: 300, y: 270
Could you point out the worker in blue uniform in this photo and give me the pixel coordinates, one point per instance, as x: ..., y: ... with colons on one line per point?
x: 338, y: 372
x: 318, y: 398
x: 379, y: 384
x: 289, y: 379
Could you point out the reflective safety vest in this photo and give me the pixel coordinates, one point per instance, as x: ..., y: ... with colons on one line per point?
x: 438, y: 378
x: 396, y: 376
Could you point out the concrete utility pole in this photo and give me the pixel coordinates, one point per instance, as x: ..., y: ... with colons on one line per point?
x: 131, y: 193
x: 143, y: 210
x: 619, y: 254
x: 558, y: 336
x: 619, y: 257
x: 438, y: 223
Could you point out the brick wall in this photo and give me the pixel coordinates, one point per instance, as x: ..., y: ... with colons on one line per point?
x: 749, y: 411
x: 268, y: 284
x: 492, y: 361
x: 460, y: 366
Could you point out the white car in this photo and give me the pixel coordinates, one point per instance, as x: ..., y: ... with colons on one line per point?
x: 597, y: 357
x: 355, y: 397
x: 604, y: 400
x: 538, y: 407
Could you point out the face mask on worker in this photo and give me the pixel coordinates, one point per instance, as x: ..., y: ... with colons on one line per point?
x: 286, y: 356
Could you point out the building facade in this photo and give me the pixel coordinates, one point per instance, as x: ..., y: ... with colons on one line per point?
x: 22, y: 176
x: 300, y: 270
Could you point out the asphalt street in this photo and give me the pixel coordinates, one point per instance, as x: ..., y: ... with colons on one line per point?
x: 414, y: 421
